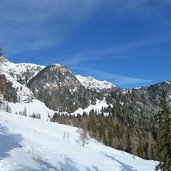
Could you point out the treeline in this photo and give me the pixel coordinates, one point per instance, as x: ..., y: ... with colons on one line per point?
x: 120, y: 131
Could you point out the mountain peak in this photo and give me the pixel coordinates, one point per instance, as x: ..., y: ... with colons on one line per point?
x: 93, y: 84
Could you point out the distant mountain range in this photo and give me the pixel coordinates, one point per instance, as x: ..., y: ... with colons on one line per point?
x: 61, y: 90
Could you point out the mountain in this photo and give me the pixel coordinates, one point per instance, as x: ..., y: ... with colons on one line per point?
x: 120, y: 118
x: 60, y: 90
x: 11, y: 89
x: 21, y: 72
x: 95, y: 85
x: 28, y: 144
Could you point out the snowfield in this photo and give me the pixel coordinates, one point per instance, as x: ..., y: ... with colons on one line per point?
x: 34, y: 107
x: 28, y: 144
x: 97, y: 107
x: 38, y: 107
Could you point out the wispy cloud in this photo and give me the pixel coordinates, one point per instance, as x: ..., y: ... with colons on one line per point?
x: 114, y: 52
x: 37, y: 24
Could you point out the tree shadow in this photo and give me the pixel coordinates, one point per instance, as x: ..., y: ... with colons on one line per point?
x: 68, y: 165
x: 8, y: 142
x: 30, y: 169
x: 94, y: 168
x: 39, y: 169
x: 124, y: 167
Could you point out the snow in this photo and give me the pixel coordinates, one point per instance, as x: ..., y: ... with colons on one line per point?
x: 93, y: 84
x: 167, y: 82
x: 16, y: 70
x: 36, y: 107
x: 33, y: 144
x: 24, y: 94
x: 13, y: 71
x: 97, y: 107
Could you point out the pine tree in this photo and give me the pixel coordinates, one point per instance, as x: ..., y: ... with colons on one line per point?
x: 1, y: 52
x: 163, y: 142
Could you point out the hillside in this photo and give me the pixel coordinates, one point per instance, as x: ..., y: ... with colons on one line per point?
x: 119, y: 118
x: 31, y: 144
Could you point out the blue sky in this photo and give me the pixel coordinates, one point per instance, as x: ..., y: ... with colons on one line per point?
x: 127, y: 42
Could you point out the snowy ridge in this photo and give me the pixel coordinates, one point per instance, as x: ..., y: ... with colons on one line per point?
x: 24, y: 94
x: 93, y: 84
x: 18, y: 75
x: 20, y: 71
x: 32, y: 144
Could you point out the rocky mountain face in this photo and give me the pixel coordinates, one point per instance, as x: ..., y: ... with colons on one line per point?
x: 60, y: 90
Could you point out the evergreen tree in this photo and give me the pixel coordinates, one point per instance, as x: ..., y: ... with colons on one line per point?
x: 1, y: 52
x: 163, y: 142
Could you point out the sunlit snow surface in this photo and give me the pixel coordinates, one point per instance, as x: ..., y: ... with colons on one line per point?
x: 93, y: 84
x: 28, y: 144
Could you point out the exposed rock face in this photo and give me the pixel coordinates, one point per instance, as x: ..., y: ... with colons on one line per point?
x: 24, y: 72
x: 3, y: 84
x: 6, y: 89
x: 60, y: 90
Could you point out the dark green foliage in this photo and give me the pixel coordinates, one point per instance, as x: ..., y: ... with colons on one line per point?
x: 163, y: 142
x: 1, y: 52
x: 114, y: 131
x: 128, y: 123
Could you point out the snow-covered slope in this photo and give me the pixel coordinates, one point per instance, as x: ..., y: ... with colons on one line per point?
x: 93, y: 84
x: 35, y: 107
x: 18, y: 75
x: 28, y: 144
x: 23, y: 94
x: 21, y: 72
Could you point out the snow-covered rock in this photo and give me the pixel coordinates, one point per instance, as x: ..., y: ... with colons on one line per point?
x: 93, y: 84
x: 21, y: 72
x: 16, y: 77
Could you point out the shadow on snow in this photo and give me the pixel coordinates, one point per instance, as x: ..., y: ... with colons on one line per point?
x: 8, y: 142
x: 124, y: 167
